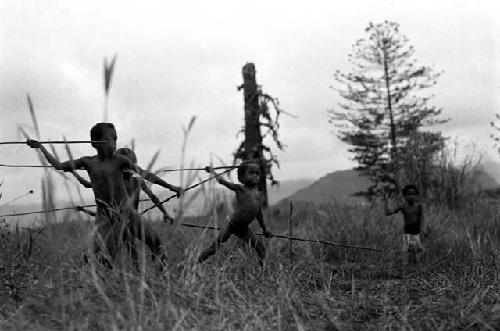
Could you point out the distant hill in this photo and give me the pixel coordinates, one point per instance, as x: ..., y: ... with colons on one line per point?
x: 487, y: 175
x: 336, y: 186
x: 340, y: 185
x: 484, y: 180
x: 492, y: 168
x: 286, y: 188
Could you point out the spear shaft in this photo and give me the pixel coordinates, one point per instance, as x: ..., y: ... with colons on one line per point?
x: 55, y: 142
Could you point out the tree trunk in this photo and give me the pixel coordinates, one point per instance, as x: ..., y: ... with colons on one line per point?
x: 389, y: 105
x: 253, y: 136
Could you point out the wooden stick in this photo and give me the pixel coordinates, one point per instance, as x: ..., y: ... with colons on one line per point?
x: 23, y: 166
x: 187, y: 189
x: 323, y: 242
x: 53, y: 210
x: 93, y: 205
x: 289, y: 238
x: 55, y: 142
x: 214, y: 168
x: 42, y: 211
x: 15, y: 199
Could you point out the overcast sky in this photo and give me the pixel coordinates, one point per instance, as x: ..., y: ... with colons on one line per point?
x: 183, y: 58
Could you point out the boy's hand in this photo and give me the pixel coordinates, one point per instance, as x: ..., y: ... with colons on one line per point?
x: 178, y: 190
x: 267, y: 234
x: 168, y: 218
x: 33, y: 143
x: 426, y: 231
x: 209, y: 169
x: 79, y: 208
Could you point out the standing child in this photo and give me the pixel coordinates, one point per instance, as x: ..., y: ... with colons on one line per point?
x: 413, y: 216
x: 105, y: 171
x: 248, y: 206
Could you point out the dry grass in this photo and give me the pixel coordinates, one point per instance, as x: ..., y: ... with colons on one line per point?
x: 46, y: 285
x: 455, y: 287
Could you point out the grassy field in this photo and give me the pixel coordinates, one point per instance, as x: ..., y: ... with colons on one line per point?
x: 456, y: 286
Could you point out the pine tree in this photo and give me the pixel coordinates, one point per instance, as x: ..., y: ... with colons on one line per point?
x: 382, y: 107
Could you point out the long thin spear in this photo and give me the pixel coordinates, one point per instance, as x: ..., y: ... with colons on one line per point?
x: 56, y: 209
x: 23, y: 166
x: 324, y: 242
x: 187, y: 189
x: 205, y: 168
x: 15, y: 199
x: 56, y: 142
x: 43, y: 211
x: 93, y: 205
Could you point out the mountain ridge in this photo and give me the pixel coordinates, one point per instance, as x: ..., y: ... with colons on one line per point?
x: 340, y: 186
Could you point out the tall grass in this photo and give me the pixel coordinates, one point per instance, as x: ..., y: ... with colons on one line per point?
x: 46, y: 285
x: 456, y: 285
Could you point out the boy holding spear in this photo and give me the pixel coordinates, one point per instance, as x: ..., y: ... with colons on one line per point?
x: 105, y: 171
x: 248, y: 206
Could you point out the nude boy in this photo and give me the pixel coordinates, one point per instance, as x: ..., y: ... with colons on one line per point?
x: 247, y: 207
x: 105, y: 171
x: 413, y: 217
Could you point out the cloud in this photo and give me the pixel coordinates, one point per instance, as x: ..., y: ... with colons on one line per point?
x: 184, y: 59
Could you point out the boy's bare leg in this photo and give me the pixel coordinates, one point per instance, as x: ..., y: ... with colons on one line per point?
x: 105, y: 240
x: 131, y: 247
x: 256, y: 244
x: 420, y: 248
x: 223, y: 236
x: 406, y: 243
x: 143, y: 231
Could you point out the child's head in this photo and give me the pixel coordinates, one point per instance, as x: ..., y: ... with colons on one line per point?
x: 104, y: 132
x: 249, y: 173
x: 128, y: 153
x: 410, y: 192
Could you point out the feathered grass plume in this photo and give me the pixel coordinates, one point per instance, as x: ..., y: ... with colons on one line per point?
x: 132, y: 144
x: 108, y: 77
x: 151, y: 164
x: 47, y: 180
x: 75, y: 174
x: 153, y: 161
x: 183, y: 179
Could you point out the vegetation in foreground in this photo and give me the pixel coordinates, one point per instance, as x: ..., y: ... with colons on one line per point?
x: 47, y: 286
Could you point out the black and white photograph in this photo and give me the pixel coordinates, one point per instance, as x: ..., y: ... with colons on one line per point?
x: 249, y: 165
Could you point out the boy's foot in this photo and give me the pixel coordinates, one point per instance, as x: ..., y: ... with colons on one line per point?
x: 85, y: 259
x: 162, y: 262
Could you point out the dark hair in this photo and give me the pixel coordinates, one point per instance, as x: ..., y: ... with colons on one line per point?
x: 128, y: 153
x: 242, y: 169
x: 98, y: 129
x: 410, y: 187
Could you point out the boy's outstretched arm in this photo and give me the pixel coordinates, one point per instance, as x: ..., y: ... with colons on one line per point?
x: 387, y: 211
x: 260, y: 219
x: 157, y: 180
x: 222, y: 180
x: 65, y: 166
x: 156, y: 201
x: 86, y: 211
x: 128, y: 165
x: 82, y: 180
